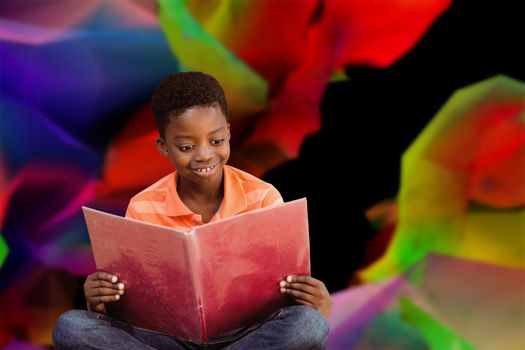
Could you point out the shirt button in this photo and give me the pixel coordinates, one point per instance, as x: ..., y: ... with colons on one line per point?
x: 195, y: 219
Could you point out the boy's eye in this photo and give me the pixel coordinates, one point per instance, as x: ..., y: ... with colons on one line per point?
x: 186, y: 148
x: 217, y: 141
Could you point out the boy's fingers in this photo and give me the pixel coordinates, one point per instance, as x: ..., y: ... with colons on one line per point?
x: 116, y: 286
x: 102, y: 291
x: 105, y: 284
x: 103, y: 287
x: 297, y: 295
x: 101, y: 275
x: 314, y: 290
x: 108, y: 298
x: 302, y: 287
x: 304, y: 279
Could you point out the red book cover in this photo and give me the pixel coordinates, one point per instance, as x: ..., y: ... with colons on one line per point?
x: 199, y: 284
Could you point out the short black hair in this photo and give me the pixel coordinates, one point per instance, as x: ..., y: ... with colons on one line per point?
x: 182, y: 91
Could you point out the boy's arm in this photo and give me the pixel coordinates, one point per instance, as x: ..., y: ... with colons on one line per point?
x: 272, y: 197
x: 132, y: 213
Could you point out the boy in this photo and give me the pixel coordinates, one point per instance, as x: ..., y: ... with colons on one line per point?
x: 191, y: 114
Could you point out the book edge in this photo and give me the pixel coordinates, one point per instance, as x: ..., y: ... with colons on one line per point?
x: 193, y: 254
x: 196, y: 229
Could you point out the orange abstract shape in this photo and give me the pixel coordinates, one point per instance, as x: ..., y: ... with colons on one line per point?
x: 33, y: 304
x: 483, y: 137
x: 381, y: 32
x: 500, y: 163
x: 133, y: 161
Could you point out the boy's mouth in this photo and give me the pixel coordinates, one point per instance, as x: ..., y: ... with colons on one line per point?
x: 205, y: 171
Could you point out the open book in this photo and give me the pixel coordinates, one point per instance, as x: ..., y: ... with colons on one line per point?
x: 199, y: 284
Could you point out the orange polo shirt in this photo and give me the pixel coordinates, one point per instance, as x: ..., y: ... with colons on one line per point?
x: 160, y: 203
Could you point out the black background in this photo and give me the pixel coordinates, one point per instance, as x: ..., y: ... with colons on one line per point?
x: 368, y: 122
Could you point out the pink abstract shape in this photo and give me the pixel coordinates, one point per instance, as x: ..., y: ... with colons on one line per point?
x: 6, y: 188
x: 477, y: 302
x: 37, y: 22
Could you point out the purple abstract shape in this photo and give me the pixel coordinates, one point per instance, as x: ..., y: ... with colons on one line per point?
x: 28, y: 135
x: 84, y: 78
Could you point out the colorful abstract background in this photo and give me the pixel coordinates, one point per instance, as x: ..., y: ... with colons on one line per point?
x: 401, y: 121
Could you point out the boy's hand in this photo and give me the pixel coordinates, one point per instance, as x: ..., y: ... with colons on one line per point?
x: 309, y: 291
x: 100, y: 288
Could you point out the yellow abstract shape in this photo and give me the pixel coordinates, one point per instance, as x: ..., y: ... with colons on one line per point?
x: 463, y: 182
x: 196, y: 49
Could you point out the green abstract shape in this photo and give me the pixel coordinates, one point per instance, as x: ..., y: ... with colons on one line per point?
x: 246, y: 91
x: 437, y: 335
x: 4, y: 250
x: 339, y: 76
x: 388, y: 330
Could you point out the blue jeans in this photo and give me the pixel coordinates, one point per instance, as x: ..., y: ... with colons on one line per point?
x: 294, y: 327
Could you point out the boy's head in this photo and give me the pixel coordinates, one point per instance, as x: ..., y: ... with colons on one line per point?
x: 191, y: 115
x: 182, y: 91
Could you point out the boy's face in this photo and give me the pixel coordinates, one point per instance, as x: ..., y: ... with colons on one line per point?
x: 198, y: 144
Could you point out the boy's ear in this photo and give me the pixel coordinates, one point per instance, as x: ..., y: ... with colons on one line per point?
x: 229, y: 133
x: 161, y: 146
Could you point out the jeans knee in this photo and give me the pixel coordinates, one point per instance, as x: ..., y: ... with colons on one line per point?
x: 65, y: 320
x: 314, y: 321
x: 68, y: 325
x: 311, y: 328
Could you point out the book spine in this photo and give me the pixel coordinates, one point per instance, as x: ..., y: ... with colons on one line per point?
x: 195, y: 261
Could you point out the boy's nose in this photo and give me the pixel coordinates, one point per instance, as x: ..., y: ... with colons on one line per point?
x: 203, y: 154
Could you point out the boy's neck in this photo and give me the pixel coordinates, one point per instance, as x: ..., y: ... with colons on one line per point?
x: 200, y: 198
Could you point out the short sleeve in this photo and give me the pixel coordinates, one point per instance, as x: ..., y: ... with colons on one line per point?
x: 272, y: 197
x: 131, y: 212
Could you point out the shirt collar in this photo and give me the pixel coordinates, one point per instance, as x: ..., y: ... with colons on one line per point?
x: 174, y: 205
x: 233, y: 202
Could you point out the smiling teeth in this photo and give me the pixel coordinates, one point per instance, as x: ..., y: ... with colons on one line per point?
x: 205, y: 170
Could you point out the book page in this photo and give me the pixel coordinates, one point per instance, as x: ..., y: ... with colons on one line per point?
x: 153, y: 263
x: 243, y: 258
